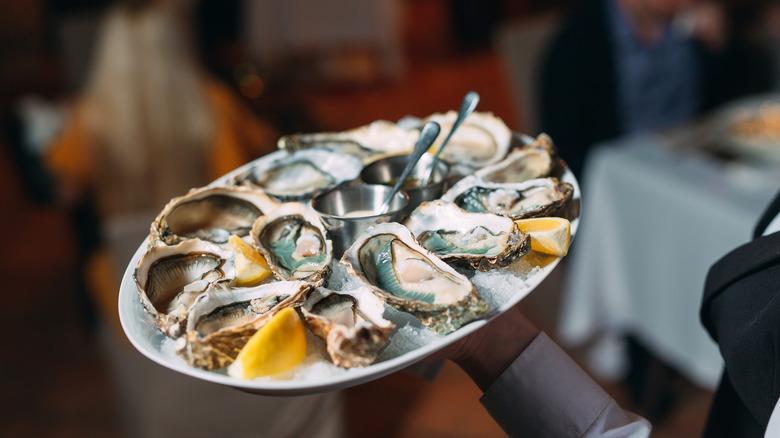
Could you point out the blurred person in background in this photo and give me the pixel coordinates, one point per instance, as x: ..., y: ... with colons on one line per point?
x: 150, y: 125
x: 626, y: 67
x: 770, y: 27
x: 629, y: 67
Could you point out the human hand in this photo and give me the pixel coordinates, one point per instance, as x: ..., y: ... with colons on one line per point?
x: 487, y: 352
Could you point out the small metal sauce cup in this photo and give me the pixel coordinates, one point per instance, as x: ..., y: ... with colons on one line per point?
x: 334, y: 204
x: 386, y: 170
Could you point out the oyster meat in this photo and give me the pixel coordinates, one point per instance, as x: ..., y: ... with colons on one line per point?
x: 521, y: 164
x: 210, y: 213
x: 220, y: 323
x: 170, y: 278
x: 302, y: 174
x: 532, y: 198
x: 412, y: 279
x: 368, y: 142
x: 480, y: 140
x: 480, y: 241
x: 292, y: 240
x: 350, y: 323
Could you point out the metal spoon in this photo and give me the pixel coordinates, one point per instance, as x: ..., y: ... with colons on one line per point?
x: 428, y: 134
x: 470, y: 102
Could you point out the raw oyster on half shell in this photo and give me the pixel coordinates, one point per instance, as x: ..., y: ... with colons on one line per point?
x: 480, y: 140
x: 293, y: 242
x: 368, y: 142
x: 210, y: 213
x: 532, y: 198
x: 302, y: 174
x: 521, y: 164
x: 170, y: 279
x: 350, y: 323
x: 480, y: 241
x: 412, y: 279
x: 221, y: 322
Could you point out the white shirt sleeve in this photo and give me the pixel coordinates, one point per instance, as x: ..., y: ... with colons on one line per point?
x: 773, y: 428
x: 544, y: 393
x: 773, y: 226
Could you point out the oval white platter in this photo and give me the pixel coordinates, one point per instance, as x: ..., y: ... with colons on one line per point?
x: 512, y: 284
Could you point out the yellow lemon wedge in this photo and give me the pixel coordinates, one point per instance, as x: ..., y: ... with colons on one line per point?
x: 549, y: 235
x: 251, y: 268
x: 277, y: 347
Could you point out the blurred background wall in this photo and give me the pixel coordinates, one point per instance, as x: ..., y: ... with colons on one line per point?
x: 303, y: 65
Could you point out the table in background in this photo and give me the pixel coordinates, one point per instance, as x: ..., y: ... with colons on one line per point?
x: 654, y: 219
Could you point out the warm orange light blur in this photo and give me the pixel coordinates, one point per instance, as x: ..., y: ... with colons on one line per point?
x: 251, y: 86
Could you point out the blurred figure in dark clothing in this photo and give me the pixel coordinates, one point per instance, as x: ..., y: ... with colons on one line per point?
x: 624, y: 67
x: 218, y: 30
x: 473, y: 21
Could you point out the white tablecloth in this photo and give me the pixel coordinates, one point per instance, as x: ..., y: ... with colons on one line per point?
x: 653, y: 221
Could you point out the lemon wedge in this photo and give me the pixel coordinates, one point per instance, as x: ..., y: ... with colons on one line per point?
x: 251, y: 267
x: 549, y: 235
x: 277, y: 347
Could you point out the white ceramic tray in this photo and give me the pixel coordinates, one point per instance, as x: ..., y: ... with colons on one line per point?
x: 516, y: 282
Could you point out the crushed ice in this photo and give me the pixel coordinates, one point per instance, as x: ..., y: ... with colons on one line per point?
x: 407, y: 338
x: 499, y: 287
x: 340, y: 279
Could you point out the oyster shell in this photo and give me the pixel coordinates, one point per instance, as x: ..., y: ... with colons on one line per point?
x: 480, y: 241
x: 293, y: 241
x: 210, y: 213
x: 351, y: 324
x: 480, y: 140
x: 532, y: 198
x: 368, y: 142
x: 412, y: 279
x: 170, y: 278
x: 220, y: 323
x: 302, y: 174
x: 521, y: 164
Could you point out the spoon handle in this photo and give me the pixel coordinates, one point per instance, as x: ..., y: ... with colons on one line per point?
x: 470, y: 102
x: 428, y: 134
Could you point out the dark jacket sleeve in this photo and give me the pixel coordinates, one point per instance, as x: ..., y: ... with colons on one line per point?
x: 741, y: 312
